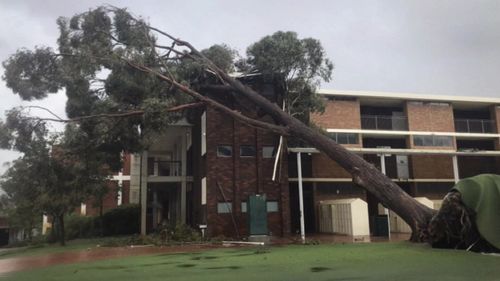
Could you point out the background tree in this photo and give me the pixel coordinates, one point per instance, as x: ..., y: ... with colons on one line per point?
x: 151, y: 74
x: 20, y: 201
x: 53, y: 176
x: 301, y: 63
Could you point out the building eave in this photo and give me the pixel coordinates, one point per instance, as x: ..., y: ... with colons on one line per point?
x: 409, y: 96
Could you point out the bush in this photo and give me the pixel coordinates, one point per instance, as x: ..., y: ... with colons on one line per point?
x: 184, y: 233
x: 123, y: 220
x: 77, y: 226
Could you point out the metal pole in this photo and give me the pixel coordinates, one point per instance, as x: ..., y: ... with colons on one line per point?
x: 456, y: 176
x: 301, y: 199
x: 386, y: 211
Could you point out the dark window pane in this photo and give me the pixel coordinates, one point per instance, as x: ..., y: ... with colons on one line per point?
x: 247, y: 151
x: 353, y: 138
x: 224, y: 151
x: 268, y: 151
x: 224, y: 208
x: 342, y: 138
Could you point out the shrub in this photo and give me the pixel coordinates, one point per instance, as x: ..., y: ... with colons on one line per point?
x: 184, y: 233
x: 122, y: 220
x: 77, y: 226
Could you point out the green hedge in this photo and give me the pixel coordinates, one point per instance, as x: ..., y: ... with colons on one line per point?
x: 123, y: 220
x: 77, y: 226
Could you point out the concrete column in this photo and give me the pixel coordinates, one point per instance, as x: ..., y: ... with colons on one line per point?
x: 301, y: 199
x: 144, y: 190
x: 456, y: 176
x: 183, y: 176
x: 386, y: 211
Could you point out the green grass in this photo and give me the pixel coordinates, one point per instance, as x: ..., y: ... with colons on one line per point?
x: 42, y: 249
x: 378, y: 261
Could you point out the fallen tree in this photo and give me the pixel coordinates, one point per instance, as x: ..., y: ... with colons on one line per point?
x: 113, y: 39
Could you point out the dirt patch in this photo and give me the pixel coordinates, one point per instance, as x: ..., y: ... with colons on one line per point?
x: 93, y: 254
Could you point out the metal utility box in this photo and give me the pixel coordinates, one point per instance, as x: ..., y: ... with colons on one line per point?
x: 402, y: 166
x: 344, y: 216
x: 257, y: 215
x: 397, y: 223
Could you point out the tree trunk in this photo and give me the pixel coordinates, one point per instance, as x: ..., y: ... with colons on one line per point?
x: 364, y: 174
x: 101, y: 211
x: 62, y: 238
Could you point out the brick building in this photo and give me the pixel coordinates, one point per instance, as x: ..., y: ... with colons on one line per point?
x: 203, y: 170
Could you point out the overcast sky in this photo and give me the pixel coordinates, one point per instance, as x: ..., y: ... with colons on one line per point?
x: 428, y: 47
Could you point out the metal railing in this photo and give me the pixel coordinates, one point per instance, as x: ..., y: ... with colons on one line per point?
x: 474, y: 125
x: 165, y: 168
x: 384, y: 122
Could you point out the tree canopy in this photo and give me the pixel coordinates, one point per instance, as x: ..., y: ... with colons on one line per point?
x: 113, y: 65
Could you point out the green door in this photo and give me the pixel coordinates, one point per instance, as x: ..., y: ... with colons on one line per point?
x: 257, y: 214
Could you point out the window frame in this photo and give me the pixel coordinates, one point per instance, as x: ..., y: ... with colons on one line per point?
x: 224, y: 207
x: 219, y: 155
x: 248, y: 146
x: 273, y: 152
x: 350, y: 138
x: 432, y: 141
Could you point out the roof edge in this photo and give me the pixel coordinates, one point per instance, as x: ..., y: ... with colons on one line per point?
x: 408, y: 96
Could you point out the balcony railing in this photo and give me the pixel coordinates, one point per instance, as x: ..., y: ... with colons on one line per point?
x: 165, y: 168
x: 383, y: 122
x: 474, y: 125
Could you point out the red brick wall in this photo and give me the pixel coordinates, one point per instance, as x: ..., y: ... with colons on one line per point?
x: 109, y: 202
x: 324, y: 167
x: 240, y: 177
x: 431, y: 166
x: 126, y: 163
x: 430, y: 117
x: 339, y: 115
x: 126, y: 192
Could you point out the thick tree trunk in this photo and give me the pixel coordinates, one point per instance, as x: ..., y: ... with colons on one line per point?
x: 364, y: 174
x: 62, y: 234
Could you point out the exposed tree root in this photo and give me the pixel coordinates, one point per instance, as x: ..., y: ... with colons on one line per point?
x: 454, y: 227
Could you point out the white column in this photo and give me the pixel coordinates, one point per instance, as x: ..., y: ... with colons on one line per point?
x: 144, y: 191
x: 120, y: 186
x: 386, y: 211
x: 456, y: 176
x: 183, y: 176
x: 301, y: 199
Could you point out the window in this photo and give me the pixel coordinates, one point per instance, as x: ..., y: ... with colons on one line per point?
x: 268, y: 152
x: 224, y: 151
x: 432, y: 140
x: 224, y: 208
x: 344, y: 138
x: 272, y: 206
x: 247, y: 151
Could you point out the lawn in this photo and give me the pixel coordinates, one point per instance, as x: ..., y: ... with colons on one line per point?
x: 377, y: 261
x: 42, y: 249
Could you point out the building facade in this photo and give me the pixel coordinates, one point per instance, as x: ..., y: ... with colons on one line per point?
x: 204, y: 171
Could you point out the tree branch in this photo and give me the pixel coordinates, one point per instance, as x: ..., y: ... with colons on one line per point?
x: 112, y: 115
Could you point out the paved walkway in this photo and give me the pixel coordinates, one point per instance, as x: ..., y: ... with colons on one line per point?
x: 23, y: 263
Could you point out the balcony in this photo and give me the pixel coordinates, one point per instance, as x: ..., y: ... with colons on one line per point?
x: 164, y: 168
x: 482, y: 126
x: 384, y: 122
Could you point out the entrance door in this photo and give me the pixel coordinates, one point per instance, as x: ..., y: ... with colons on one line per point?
x: 257, y: 214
